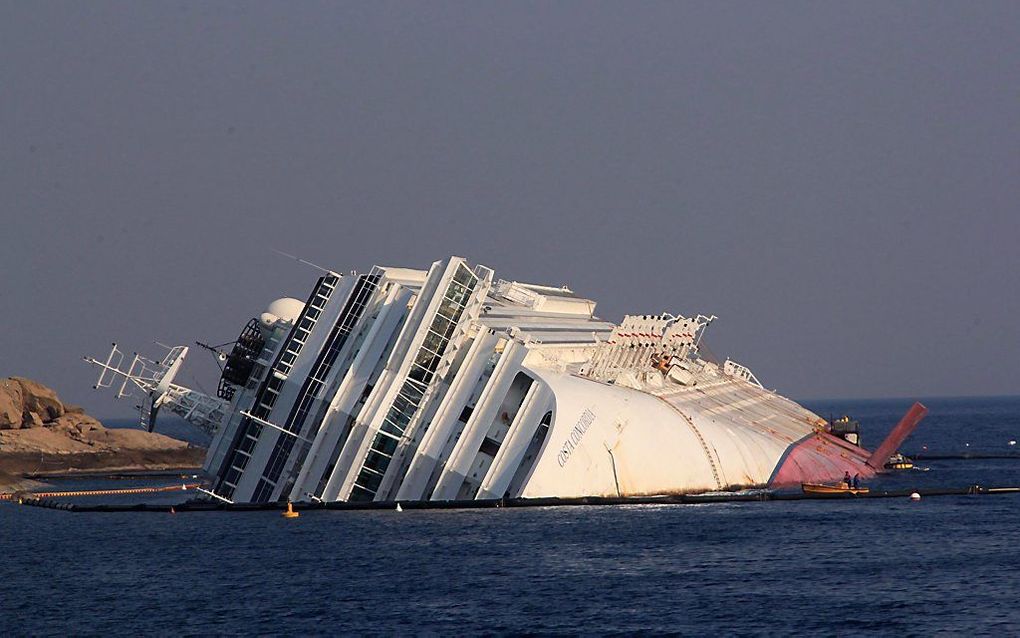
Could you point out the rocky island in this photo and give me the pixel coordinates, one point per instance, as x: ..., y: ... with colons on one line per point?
x: 40, y: 435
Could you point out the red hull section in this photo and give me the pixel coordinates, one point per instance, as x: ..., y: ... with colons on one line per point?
x: 897, y: 436
x: 819, y: 458
x: 822, y: 457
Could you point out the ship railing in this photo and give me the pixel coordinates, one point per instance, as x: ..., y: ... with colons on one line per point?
x: 733, y: 369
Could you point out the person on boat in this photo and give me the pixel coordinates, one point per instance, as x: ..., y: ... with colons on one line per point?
x: 846, y: 479
x: 857, y: 481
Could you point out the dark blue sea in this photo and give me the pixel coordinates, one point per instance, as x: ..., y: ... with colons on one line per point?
x: 945, y: 565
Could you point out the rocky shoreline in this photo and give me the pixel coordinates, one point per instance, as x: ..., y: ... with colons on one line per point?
x: 40, y: 435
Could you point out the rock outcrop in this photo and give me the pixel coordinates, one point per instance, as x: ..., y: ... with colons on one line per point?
x: 27, y: 404
x: 12, y: 404
x: 39, y: 434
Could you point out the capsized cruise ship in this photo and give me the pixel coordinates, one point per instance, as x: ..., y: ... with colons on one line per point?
x: 449, y: 384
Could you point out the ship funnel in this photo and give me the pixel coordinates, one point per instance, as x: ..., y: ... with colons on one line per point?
x: 898, y: 435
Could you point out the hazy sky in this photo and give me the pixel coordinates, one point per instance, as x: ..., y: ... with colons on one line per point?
x: 838, y: 182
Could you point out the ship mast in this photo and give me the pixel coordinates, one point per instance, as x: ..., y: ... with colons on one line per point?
x: 155, y: 379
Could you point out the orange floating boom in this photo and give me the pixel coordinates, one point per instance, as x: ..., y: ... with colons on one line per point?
x: 129, y: 490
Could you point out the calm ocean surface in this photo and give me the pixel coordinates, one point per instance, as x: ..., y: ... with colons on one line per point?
x: 946, y: 565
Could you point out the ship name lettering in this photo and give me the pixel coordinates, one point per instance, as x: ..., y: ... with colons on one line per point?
x: 574, y: 438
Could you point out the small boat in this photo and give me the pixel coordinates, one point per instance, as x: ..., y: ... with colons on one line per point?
x: 900, y: 466
x: 839, y: 488
x: 899, y: 462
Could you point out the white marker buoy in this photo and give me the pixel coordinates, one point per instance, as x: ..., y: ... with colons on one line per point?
x: 915, y: 496
x: 399, y: 509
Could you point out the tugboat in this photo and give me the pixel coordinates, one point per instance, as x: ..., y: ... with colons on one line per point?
x: 899, y: 462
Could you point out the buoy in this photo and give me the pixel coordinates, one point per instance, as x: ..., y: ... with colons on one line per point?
x: 1012, y: 442
x: 399, y: 509
x: 915, y: 496
x: 184, y: 487
x: 290, y: 513
x: 172, y: 510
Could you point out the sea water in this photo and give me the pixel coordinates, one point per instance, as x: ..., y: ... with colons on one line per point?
x: 879, y: 566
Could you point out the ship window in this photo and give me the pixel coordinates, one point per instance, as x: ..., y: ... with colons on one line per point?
x: 385, y: 445
x: 465, y: 414
x: 464, y: 276
x: 401, y: 403
x: 490, y: 447
x: 376, y: 461
x: 402, y: 419
x: 247, y: 444
x: 419, y: 388
x: 457, y: 293
x: 443, y: 326
x: 433, y: 342
x: 369, y: 480
x: 390, y: 428
x: 428, y: 352
x: 449, y: 309
x: 418, y: 373
x: 232, y: 476
x: 446, y: 311
x: 360, y: 494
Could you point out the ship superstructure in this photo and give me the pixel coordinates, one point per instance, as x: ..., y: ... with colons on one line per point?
x: 449, y: 384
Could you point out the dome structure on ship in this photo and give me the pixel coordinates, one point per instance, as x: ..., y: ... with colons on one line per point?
x: 284, y: 309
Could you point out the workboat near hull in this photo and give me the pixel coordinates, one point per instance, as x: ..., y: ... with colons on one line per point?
x: 448, y: 385
x: 899, y: 466
x: 813, y: 488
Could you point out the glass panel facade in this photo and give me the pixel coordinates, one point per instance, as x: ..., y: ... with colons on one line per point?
x: 249, y: 430
x: 313, y: 385
x: 408, y: 400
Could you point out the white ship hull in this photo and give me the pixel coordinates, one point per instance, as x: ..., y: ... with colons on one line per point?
x: 447, y: 385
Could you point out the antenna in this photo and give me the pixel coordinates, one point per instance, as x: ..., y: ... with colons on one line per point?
x: 304, y: 261
x: 220, y: 355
